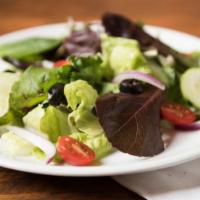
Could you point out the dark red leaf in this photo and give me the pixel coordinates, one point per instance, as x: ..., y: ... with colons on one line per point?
x: 80, y: 42
x: 131, y: 122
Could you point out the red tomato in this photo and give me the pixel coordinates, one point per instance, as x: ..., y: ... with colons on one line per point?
x: 177, y: 114
x: 61, y: 63
x: 74, y: 152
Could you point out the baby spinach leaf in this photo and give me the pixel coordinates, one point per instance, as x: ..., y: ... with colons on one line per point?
x: 32, y: 88
x: 26, y: 48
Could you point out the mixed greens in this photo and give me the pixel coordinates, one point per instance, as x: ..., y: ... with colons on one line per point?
x: 76, y: 98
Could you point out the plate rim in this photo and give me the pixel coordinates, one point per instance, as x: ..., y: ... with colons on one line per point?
x: 97, y: 171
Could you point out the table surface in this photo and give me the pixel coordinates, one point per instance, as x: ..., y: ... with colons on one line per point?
x: 17, y: 14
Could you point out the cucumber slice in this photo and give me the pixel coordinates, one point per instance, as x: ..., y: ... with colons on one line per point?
x: 190, y: 86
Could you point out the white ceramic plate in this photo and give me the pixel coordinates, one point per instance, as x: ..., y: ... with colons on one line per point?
x: 184, y: 146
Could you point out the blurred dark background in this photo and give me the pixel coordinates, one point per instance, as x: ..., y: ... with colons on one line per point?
x: 177, y: 14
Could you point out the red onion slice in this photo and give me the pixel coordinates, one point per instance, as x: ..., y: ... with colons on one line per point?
x: 46, y: 146
x: 140, y: 76
x: 189, y: 127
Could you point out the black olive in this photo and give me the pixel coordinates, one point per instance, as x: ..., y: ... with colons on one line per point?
x: 131, y: 86
x: 57, y: 96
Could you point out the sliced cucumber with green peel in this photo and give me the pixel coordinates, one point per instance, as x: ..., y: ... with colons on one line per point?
x: 190, y: 86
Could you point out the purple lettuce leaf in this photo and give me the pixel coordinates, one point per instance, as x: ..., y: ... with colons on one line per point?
x: 132, y: 122
x: 82, y: 42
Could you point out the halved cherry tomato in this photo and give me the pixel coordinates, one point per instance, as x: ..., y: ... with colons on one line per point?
x: 61, y: 63
x: 177, y: 113
x: 74, y: 152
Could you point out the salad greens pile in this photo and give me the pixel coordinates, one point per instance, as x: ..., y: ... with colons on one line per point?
x: 55, y: 101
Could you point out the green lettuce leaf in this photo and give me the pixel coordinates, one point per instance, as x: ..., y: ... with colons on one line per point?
x: 38, y: 153
x: 6, y: 82
x: 99, y: 144
x: 27, y: 48
x: 122, y: 54
x: 87, y: 122
x: 13, y: 145
x: 87, y: 68
x: 54, y: 123
x: 163, y: 68
x: 6, y: 118
x: 89, y: 131
x: 32, y: 88
x: 80, y: 95
x: 108, y: 87
x: 84, y: 121
x: 84, y: 125
x: 32, y: 119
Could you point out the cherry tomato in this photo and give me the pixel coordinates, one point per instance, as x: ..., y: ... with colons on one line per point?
x: 74, y: 152
x: 61, y: 63
x: 177, y: 113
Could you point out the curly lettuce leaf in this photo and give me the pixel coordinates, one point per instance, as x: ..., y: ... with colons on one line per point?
x: 122, y: 54
x: 99, y: 143
x: 80, y: 95
x: 87, y: 122
x: 89, y: 131
x: 87, y: 68
x: 81, y: 98
x: 83, y: 123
